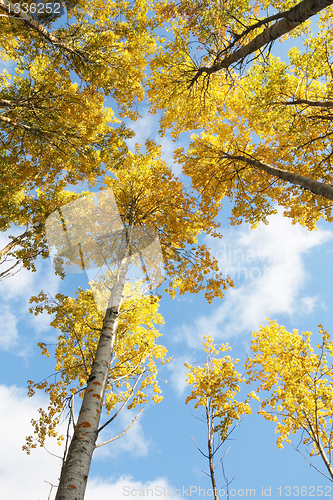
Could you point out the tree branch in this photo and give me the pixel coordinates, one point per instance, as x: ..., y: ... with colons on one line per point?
x: 122, y: 406
x: 316, y: 187
x: 29, y: 21
x: 320, y: 104
x: 122, y: 433
x: 292, y: 18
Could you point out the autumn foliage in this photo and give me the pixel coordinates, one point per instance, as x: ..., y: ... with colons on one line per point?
x: 298, y: 379
x: 261, y: 130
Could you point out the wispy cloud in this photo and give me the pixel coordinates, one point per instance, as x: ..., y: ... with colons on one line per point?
x: 127, y: 487
x: 7, y: 65
x: 9, y: 331
x: 15, y: 293
x: 268, y: 268
x: 23, y: 476
x: 178, y: 374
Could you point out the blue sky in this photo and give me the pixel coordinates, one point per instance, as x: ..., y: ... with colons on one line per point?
x: 280, y: 271
x: 284, y: 274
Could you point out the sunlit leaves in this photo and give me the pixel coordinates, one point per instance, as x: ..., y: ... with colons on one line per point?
x: 133, y: 372
x: 104, y: 43
x: 147, y: 193
x: 269, y: 110
x: 298, y: 379
x: 215, y: 385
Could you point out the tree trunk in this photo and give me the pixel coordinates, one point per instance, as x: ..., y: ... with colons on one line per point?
x: 210, y: 450
x: 316, y: 187
x: 76, y: 467
x: 316, y: 439
x: 293, y: 18
x: 17, y: 241
x: 11, y: 11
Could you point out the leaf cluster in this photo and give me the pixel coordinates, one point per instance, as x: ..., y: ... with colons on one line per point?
x: 132, y: 376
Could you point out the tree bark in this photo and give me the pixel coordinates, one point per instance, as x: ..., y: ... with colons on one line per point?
x: 319, y: 104
x: 316, y: 187
x: 316, y: 439
x: 293, y: 18
x: 210, y: 450
x: 76, y: 467
x: 13, y: 123
x: 17, y: 241
x: 10, y: 8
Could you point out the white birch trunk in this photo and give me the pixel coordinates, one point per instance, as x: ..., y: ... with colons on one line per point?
x: 76, y: 467
x: 295, y: 16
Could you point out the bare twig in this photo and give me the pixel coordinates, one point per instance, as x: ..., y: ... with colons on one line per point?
x: 122, y: 433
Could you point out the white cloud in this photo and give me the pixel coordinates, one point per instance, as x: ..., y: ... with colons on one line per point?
x: 143, y: 127
x: 29, y: 477
x: 310, y: 304
x: 267, y: 265
x: 126, y: 487
x: 9, y: 334
x: 7, y: 65
x: 147, y: 126
x: 21, y: 286
x: 23, y: 476
x: 15, y: 293
x: 178, y: 374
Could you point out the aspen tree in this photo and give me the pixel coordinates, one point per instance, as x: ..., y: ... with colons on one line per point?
x: 298, y: 379
x: 213, y: 388
x: 266, y: 124
x: 147, y: 195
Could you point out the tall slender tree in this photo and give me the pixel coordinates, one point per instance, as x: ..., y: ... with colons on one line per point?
x: 214, y: 387
x: 54, y: 127
x: 147, y: 195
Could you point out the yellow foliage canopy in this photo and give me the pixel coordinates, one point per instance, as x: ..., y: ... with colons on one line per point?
x: 299, y: 380
x: 132, y: 375
x: 214, y: 386
x: 278, y: 113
